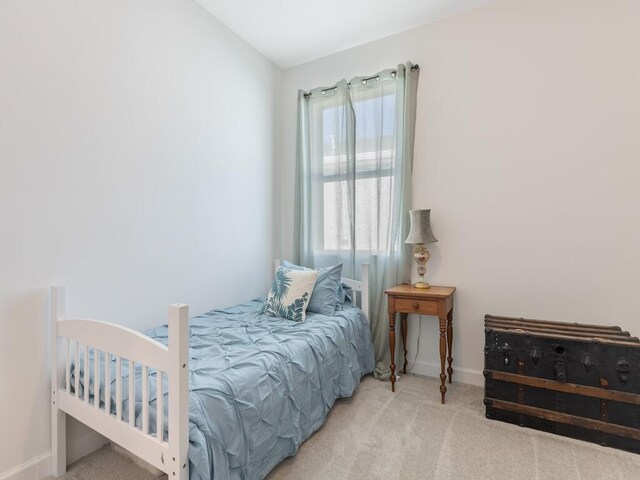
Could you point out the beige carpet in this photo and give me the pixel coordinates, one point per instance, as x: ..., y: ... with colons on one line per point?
x: 410, y: 435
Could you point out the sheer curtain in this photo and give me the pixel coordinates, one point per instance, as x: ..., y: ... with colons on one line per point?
x: 353, y: 189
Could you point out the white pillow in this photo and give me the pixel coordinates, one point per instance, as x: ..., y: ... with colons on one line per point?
x: 290, y: 294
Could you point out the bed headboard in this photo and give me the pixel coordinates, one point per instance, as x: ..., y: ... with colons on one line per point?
x: 361, y: 286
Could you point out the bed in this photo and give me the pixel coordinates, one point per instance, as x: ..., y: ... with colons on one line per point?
x: 241, y: 391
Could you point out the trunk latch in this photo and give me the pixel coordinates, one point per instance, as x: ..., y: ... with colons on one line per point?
x: 535, y: 355
x: 586, y: 363
x: 506, y: 353
x: 624, y: 371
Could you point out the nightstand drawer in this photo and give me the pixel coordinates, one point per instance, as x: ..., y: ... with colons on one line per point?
x: 409, y: 305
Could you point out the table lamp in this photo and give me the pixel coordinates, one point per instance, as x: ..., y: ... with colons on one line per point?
x: 419, y: 234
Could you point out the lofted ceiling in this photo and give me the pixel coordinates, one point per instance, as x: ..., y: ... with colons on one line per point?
x: 291, y: 32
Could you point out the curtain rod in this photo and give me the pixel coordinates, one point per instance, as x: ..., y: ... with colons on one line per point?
x: 364, y: 80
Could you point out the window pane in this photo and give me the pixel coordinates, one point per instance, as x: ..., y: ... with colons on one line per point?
x: 373, y: 209
x: 334, y: 151
x: 337, y: 232
x: 375, y: 133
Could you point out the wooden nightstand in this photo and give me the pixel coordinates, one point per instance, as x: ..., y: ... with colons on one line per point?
x: 436, y: 301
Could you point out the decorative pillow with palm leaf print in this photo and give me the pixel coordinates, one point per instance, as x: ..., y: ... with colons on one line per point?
x: 290, y: 294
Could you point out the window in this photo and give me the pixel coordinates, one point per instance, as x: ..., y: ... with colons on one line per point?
x: 368, y: 204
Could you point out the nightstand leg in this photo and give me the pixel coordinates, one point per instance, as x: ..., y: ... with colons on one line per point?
x: 392, y: 349
x: 403, y: 327
x: 450, y: 342
x: 443, y: 354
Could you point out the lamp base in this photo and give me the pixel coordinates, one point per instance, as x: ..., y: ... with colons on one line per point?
x: 421, y: 255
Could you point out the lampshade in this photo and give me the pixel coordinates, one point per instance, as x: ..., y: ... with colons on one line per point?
x: 420, y: 227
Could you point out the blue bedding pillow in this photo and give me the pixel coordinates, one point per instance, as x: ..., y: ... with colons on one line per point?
x: 345, y: 295
x: 325, y: 293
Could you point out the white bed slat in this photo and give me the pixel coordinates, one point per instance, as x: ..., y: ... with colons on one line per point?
x: 145, y: 399
x: 87, y: 376
x: 159, y: 405
x: 107, y: 383
x: 76, y: 372
x: 67, y: 364
x: 96, y: 378
x: 118, y: 388
x: 132, y: 393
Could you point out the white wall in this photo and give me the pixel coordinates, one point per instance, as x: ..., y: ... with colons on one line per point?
x: 528, y: 153
x: 136, y: 166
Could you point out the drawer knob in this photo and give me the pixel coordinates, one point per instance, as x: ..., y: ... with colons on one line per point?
x: 416, y: 306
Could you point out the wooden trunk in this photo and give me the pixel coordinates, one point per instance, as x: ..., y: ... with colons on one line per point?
x: 577, y: 380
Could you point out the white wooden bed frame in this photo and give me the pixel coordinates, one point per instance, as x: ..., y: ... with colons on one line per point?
x: 70, y: 336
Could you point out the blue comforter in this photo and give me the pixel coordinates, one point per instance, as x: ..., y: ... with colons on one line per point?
x: 260, y: 386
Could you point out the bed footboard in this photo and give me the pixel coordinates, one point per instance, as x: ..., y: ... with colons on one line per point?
x: 106, y: 356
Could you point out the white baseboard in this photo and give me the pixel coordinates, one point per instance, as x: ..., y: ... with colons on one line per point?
x: 461, y: 375
x: 35, y: 469
x: 40, y: 467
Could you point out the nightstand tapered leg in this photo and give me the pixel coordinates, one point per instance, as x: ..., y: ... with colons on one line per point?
x: 403, y: 327
x: 392, y: 349
x: 450, y: 342
x: 443, y: 354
